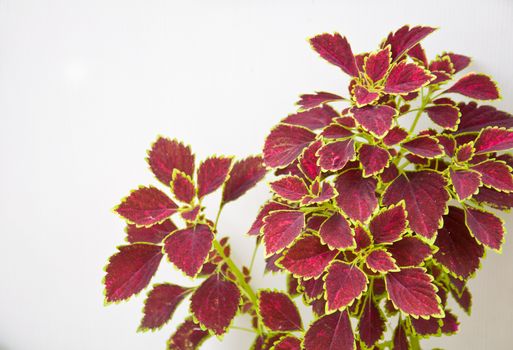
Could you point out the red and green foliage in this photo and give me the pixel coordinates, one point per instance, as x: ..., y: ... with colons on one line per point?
x: 373, y: 222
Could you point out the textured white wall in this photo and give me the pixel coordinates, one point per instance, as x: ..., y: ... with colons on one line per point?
x: 85, y: 87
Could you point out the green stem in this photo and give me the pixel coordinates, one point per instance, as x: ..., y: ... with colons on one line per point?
x: 253, y: 258
x: 415, y: 342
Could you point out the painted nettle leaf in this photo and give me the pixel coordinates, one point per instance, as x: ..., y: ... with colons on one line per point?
x: 373, y: 222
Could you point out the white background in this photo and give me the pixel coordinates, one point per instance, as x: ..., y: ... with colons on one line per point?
x: 86, y: 86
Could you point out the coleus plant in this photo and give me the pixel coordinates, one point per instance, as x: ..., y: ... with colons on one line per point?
x: 374, y: 223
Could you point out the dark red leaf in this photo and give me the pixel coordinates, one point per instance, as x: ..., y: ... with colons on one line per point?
x: 446, y: 116
x: 336, y: 131
x: 381, y: 261
x: 425, y: 197
x: 307, y: 257
x: 308, y: 160
x: 394, y: 136
x: 459, y: 62
x: 475, y: 118
x: 465, y: 182
x: 442, y: 64
x: 314, y: 118
x: 405, y: 78
x: 264, y: 211
x: 375, y: 119
x: 417, y: 52
x: 146, y: 206
x: 450, y: 323
x: 448, y: 143
x: 215, y: 303
x: 376, y: 65
x: 190, y: 213
x: 357, y: 195
x: 412, y: 292
x: 313, y: 100
x: 362, y: 238
x: 244, y: 175
x: 337, y: 233
x: 458, y: 250
x: 400, y: 340
x: 326, y: 193
x: 182, y: 187
x: 313, y: 288
x: 344, y: 284
x: 188, y: 336
x: 388, y: 225
x: 212, y: 173
x: 485, y: 227
x: 130, y: 270
x: 464, y: 300
x: 409, y: 251
x: 465, y: 152
x: 478, y: 86
x: 188, y: 248
x: 425, y: 327
x: 151, y: 234
x: 335, y: 155
x: 287, y: 343
x: 424, y: 146
x: 281, y: 228
x: 373, y: 158
x: 494, y: 198
x: 495, y: 174
x: 278, y: 312
x: 363, y: 96
x: 160, y: 305
x: 371, y: 325
x: 405, y: 38
x: 336, y: 50
x: 291, y: 188
x: 330, y: 332
x: 166, y: 155
x: 285, y: 143
x: 389, y: 173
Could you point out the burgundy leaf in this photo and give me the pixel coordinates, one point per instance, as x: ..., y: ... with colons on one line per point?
x: 459, y: 62
x: 405, y: 78
x: 417, y: 52
x: 373, y: 158
x: 287, y: 343
x: 405, y: 38
x: 425, y: 197
x: 313, y: 288
x: 424, y: 146
x: 160, y: 305
x: 190, y: 213
x: 400, y: 340
x: 146, y: 206
x: 188, y: 248
x: 465, y: 182
x: 215, y: 303
x: 336, y: 50
x: 335, y: 155
x: 496, y: 175
x: 409, y: 251
x: 458, y: 250
x: 313, y: 100
x: 478, y: 86
x: 485, y: 227
x: 424, y: 327
x: 448, y: 143
x: 465, y: 152
x: 188, y: 336
x: 376, y: 65
x: 388, y: 225
x: 151, y: 234
x: 285, y: 143
x: 336, y: 131
x: 307, y: 257
x: 371, y: 325
x: 475, y: 118
x: 494, y: 198
x: 357, y: 195
x: 362, y: 238
x: 212, y: 173
x: 281, y: 228
x: 464, y: 300
x: 363, y: 96
x: 264, y: 211
x: 182, y: 186
x: 344, y: 284
x: 446, y: 116
x: 326, y: 193
x: 244, y: 175
x: 450, y: 323
x: 394, y: 136
x: 375, y: 119
x: 330, y: 332
x: 278, y: 312
x: 412, y: 292
x: 130, y: 270
x: 337, y: 233
x: 166, y: 155
x: 308, y: 160
x: 314, y: 118
x: 381, y: 261
x: 291, y: 188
